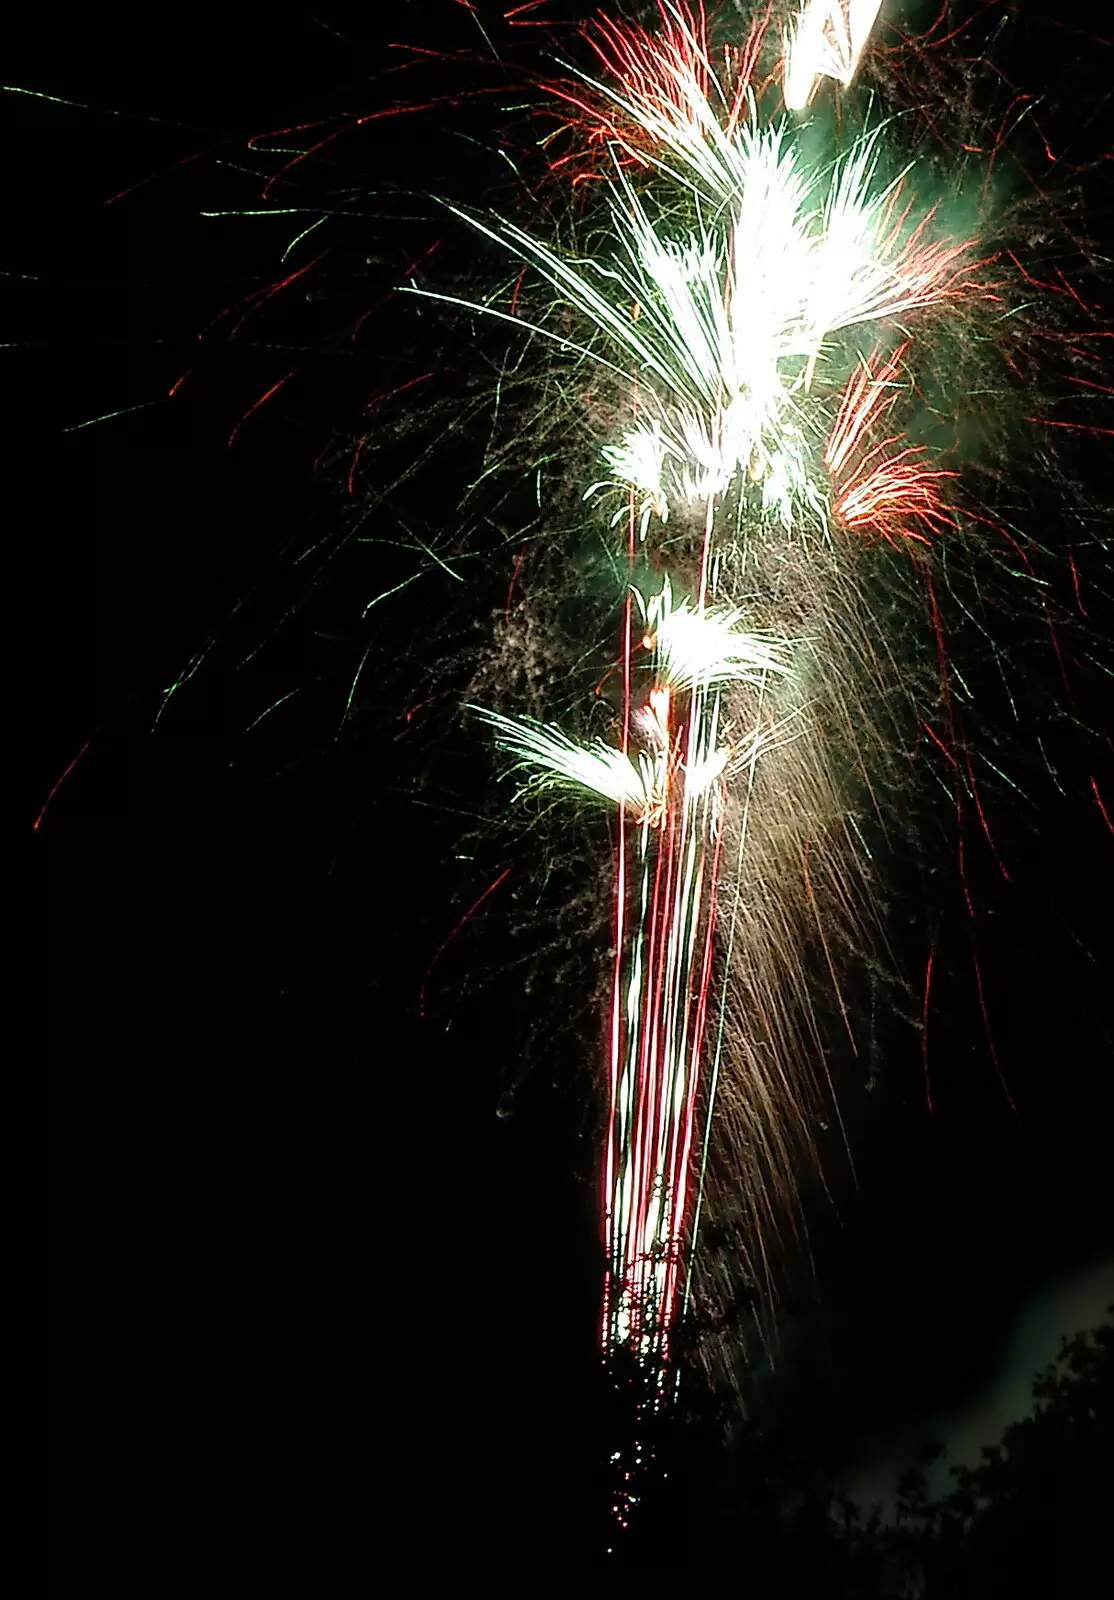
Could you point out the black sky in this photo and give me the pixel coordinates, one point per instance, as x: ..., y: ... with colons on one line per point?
x: 314, y: 1301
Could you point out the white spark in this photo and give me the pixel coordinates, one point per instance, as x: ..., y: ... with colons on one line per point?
x: 827, y: 41
x: 706, y: 646
x: 557, y: 761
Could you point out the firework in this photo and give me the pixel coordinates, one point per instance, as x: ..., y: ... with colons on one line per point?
x: 701, y: 593
x: 743, y: 309
x: 752, y: 310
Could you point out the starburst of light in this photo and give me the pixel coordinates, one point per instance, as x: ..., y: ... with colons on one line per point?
x: 707, y: 646
x: 726, y: 324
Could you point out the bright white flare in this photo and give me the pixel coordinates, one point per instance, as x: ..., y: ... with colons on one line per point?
x: 707, y: 646
x: 556, y: 761
x: 638, y: 783
x: 827, y: 41
x: 639, y: 463
x: 726, y: 324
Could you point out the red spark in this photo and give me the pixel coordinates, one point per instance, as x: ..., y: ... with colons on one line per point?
x: 472, y: 909
x: 510, y: 587
x: 263, y: 398
x: 877, y: 492
x: 1102, y: 808
x: 665, y: 76
x: 61, y: 780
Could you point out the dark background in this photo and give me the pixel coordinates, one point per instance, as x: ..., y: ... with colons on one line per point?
x: 316, y: 1306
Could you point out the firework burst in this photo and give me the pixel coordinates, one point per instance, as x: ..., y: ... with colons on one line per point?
x: 741, y: 293
x: 754, y: 312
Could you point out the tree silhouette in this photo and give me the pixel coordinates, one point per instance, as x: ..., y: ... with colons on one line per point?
x: 1030, y: 1519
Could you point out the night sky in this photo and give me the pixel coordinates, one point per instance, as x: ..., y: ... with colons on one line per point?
x: 317, y: 1307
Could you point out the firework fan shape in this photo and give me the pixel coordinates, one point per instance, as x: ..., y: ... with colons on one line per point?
x: 756, y: 312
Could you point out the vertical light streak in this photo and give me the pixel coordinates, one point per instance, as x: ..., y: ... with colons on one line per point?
x: 654, y: 1107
